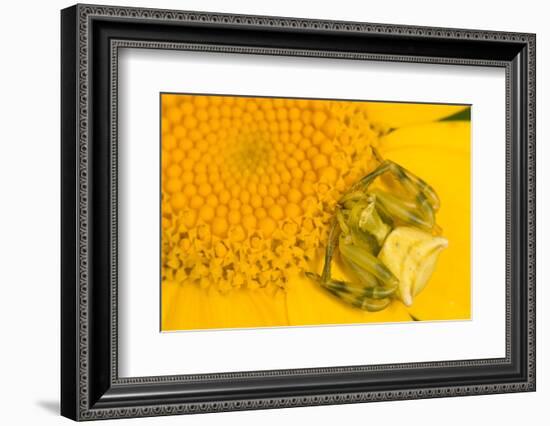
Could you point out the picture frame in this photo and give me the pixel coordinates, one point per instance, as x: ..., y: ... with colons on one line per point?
x: 91, y: 387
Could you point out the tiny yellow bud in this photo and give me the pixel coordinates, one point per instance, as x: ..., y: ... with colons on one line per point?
x: 219, y: 228
x: 178, y: 201
x: 206, y: 213
x: 267, y: 226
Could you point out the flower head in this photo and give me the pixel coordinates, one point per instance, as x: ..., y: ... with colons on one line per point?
x: 249, y: 190
x: 244, y: 173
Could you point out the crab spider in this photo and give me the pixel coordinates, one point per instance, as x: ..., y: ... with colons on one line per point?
x: 387, y: 239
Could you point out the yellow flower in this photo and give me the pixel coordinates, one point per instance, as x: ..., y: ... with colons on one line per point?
x: 249, y: 187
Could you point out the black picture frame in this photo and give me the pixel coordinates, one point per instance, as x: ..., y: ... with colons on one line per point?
x: 90, y: 386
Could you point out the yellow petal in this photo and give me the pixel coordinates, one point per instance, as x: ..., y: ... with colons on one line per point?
x: 169, y: 293
x: 395, y: 115
x: 194, y: 307
x: 439, y: 153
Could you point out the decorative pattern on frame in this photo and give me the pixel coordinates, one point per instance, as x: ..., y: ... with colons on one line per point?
x: 85, y: 14
x: 118, y: 44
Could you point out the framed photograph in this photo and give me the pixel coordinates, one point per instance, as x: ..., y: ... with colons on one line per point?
x: 263, y: 212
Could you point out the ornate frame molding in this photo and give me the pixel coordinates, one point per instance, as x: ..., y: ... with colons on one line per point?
x: 82, y: 17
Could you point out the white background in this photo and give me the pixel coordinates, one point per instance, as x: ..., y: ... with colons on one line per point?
x: 141, y: 345
x: 29, y: 225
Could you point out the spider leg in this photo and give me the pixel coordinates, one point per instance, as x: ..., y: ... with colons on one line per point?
x: 415, y: 213
x: 367, y: 298
x: 370, y: 299
x: 368, y: 262
x: 426, y: 202
x: 333, y: 236
x: 419, y: 210
x: 415, y: 185
x: 364, y: 183
x: 412, y: 183
x: 369, y: 284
